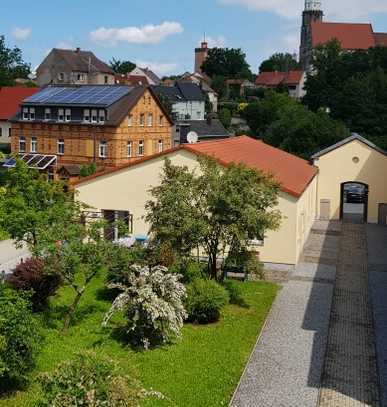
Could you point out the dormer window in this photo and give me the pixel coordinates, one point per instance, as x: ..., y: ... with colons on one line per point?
x: 86, y: 115
x: 47, y: 114
x: 32, y: 113
x: 94, y: 117
x: 60, y: 115
x: 25, y: 113
x: 61, y: 76
x: 101, y: 115
x: 68, y: 115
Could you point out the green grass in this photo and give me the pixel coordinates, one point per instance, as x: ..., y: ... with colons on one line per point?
x: 202, y: 369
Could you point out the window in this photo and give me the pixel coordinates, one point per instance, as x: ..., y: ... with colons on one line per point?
x: 130, y: 120
x: 141, y: 148
x: 106, y: 79
x: 9, y: 132
x: 101, y: 116
x: 94, y: 117
x: 60, y: 115
x: 68, y: 115
x: 161, y: 120
x: 47, y: 114
x: 103, y: 149
x: 150, y: 119
x: 25, y: 113
x: 1, y: 132
x: 81, y: 77
x: 61, y: 76
x: 142, y: 119
x: 60, y: 146
x: 129, y: 148
x: 32, y: 113
x: 34, y: 144
x: 86, y: 115
x: 161, y: 146
x: 22, y: 144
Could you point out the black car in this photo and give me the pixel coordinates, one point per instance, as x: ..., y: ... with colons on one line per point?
x: 355, y: 194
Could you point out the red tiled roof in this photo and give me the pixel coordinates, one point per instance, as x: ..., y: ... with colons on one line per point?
x: 351, y: 36
x: 293, y: 173
x: 131, y: 80
x: 380, y: 39
x: 10, y: 99
x: 276, y: 78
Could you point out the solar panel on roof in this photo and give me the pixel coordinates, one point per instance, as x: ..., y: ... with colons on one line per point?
x: 38, y: 161
x: 84, y: 95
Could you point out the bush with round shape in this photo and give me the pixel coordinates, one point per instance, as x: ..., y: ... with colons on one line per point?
x: 205, y: 301
x: 152, y: 300
x: 19, y: 338
x: 91, y: 380
x: 234, y: 291
x: 31, y: 275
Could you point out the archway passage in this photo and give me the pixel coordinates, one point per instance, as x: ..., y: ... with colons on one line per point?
x: 354, y: 202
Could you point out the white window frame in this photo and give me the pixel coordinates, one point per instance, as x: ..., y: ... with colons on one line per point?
x: 150, y: 120
x: 129, y: 149
x: 86, y: 115
x: 26, y: 115
x: 101, y: 116
x: 80, y: 77
x: 34, y: 145
x: 61, y: 76
x: 141, y: 148
x: 47, y: 113
x: 94, y: 114
x: 68, y: 115
x: 130, y: 120
x: 61, y: 114
x: 142, y: 119
x: 22, y: 141
x: 60, y: 146
x: 32, y: 113
x: 102, y: 149
x: 160, y: 145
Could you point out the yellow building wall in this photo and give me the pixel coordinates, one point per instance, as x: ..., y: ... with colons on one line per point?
x: 128, y: 189
x: 340, y: 165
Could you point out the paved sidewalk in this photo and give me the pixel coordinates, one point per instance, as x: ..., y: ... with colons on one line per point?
x: 286, y: 365
x: 350, y: 374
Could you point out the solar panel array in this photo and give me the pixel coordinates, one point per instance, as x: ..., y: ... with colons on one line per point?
x: 38, y: 161
x: 81, y: 95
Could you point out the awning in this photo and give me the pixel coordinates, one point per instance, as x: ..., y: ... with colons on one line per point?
x: 38, y: 161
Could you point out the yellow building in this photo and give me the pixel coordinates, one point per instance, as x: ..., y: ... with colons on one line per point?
x: 126, y: 189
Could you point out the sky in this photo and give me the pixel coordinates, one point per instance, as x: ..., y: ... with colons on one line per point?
x: 162, y: 34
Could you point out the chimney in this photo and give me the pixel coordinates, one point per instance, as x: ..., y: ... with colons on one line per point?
x: 77, y: 49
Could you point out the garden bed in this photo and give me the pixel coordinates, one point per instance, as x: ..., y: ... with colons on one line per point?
x: 202, y: 369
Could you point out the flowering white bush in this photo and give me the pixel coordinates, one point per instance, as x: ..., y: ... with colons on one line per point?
x: 153, y: 301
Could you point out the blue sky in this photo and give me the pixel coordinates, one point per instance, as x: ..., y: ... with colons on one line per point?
x: 163, y: 33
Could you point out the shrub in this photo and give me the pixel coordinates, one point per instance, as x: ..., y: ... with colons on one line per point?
x: 235, y: 293
x: 87, y: 170
x: 18, y: 338
x: 205, y: 300
x: 90, y: 380
x: 121, y: 259
x: 190, y: 270
x: 31, y: 275
x: 225, y: 117
x: 254, y: 268
x: 152, y: 300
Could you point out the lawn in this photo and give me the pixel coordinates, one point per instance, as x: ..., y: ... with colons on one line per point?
x: 202, y: 369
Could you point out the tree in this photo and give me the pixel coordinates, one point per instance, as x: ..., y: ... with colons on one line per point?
x: 219, y: 85
x: 225, y: 117
x: 219, y: 208
x: 226, y: 62
x: 12, y: 65
x: 280, y: 62
x: 122, y: 67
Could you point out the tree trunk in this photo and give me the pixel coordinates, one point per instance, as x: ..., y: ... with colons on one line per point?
x: 213, y: 268
x: 71, y: 311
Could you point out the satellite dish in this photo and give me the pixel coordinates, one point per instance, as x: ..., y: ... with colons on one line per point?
x: 192, y: 137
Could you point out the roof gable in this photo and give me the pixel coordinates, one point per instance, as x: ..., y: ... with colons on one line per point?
x: 275, y: 78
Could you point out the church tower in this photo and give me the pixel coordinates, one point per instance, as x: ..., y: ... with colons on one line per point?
x: 312, y: 12
x: 200, y: 56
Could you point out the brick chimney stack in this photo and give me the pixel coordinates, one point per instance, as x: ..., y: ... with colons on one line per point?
x: 200, y: 56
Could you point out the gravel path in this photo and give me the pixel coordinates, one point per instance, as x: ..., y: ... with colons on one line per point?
x: 377, y: 265
x: 286, y: 365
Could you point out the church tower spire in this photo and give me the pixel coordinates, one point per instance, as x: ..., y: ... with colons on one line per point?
x: 312, y: 13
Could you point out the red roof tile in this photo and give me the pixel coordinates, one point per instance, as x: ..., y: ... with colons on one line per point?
x: 276, y: 78
x: 380, y: 39
x: 351, y: 36
x: 293, y: 173
x: 10, y: 99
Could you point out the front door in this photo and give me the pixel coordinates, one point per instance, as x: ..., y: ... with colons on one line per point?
x: 382, y: 214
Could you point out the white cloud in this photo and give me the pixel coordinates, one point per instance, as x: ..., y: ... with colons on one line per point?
x: 159, y: 68
x: 64, y: 45
x: 347, y: 9
x: 215, y: 42
x: 21, y: 34
x: 147, y: 34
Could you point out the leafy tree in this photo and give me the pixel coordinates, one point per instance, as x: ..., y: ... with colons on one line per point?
x: 221, y: 207
x: 12, y: 65
x: 219, y: 85
x: 122, y: 67
x: 227, y: 62
x: 225, y: 117
x: 280, y: 62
